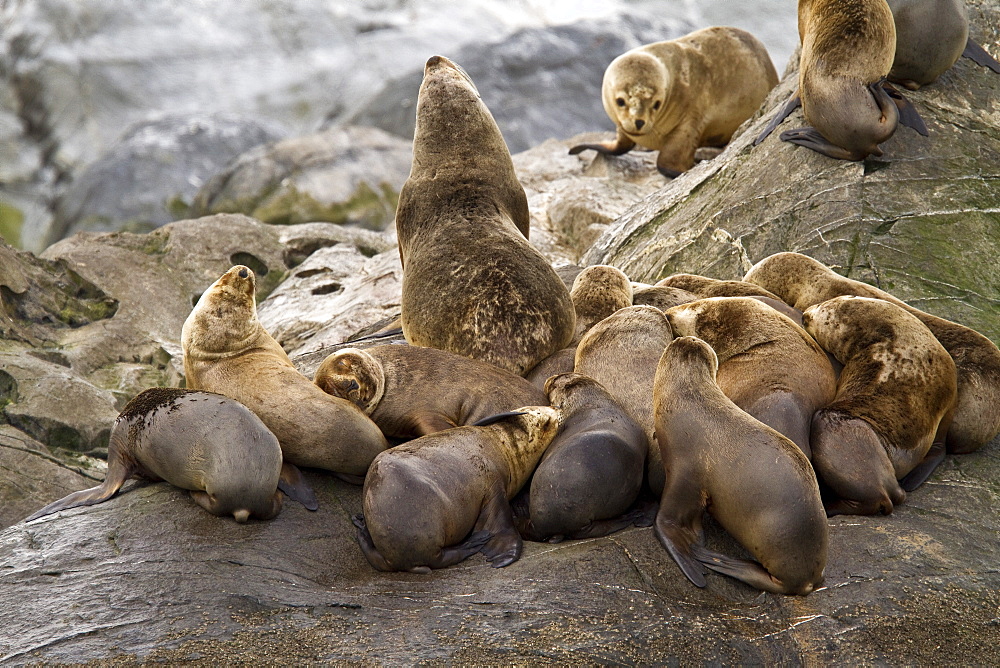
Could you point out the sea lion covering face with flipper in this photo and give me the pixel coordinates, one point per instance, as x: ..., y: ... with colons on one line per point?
x: 472, y: 284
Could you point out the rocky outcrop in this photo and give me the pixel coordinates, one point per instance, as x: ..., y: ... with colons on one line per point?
x: 920, y: 221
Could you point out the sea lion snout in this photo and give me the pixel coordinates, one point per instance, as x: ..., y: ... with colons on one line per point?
x: 244, y: 272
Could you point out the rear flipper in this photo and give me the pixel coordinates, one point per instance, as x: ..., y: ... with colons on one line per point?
x: 793, y: 103
x: 980, y: 56
x: 679, y: 542
x: 642, y: 514
x: 456, y: 553
x: 922, y: 471
x: 368, y: 548
x: 812, y: 139
x: 349, y: 477
x: 117, y: 474
x: 908, y: 114
x: 504, y: 545
x: 746, y: 571
x: 295, y: 487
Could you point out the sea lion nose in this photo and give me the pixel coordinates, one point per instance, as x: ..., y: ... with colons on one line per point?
x: 639, y: 123
x: 244, y: 272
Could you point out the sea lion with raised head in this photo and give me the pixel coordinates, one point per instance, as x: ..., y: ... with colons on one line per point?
x: 227, y: 350
x: 802, y: 282
x: 768, y: 366
x: 894, y: 401
x: 203, y: 442
x: 598, y: 291
x: 679, y: 95
x: 472, y: 284
x: 409, y: 391
x: 755, y: 482
x: 436, y: 500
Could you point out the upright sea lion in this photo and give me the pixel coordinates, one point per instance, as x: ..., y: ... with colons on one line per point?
x: 768, y: 365
x: 592, y: 471
x: 226, y: 350
x: 199, y: 441
x: 621, y: 353
x: 896, y: 391
x: 472, y: 284
x: 847, y: 52
x: 409, y: 391
x: 598, y: 291
x: 753, y: 480
x: 802, y: 282
x: 676, y: 96
x: 704, y: 287
x: 434, y: 501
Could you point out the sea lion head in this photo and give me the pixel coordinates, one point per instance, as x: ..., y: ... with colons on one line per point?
x: 599, y: 291
x: 790, y: 276
x: 685, y: 356
x: 562, y: 387
x: 354, y: 375
x: 225, y: 318
x: 635, y: 91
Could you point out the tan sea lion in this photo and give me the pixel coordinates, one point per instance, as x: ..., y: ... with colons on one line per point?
x: 754, y: 481
x: 802, y: 282
x: 436, y: 500
x: 662, y: 297
x: 472, y: 284
x: 847, y: 52
x: 676, y: 96
x: 896, y: 392
x: 226, y: 350
x: 198, y: 441
x: 712, y: 287
x: 592, y: 471
x: 598, y: 291
x: 768, y: 365
x: 409, y: 391
x: 621, y: 353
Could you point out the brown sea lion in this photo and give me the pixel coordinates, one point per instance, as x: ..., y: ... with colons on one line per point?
x: 676, y: 96
x: 592, y: 471
x: 896, y: 392
x: 662, y: 297
x: 198, y: 441
x: 754, y: 481
x: 409, y: 391
x: 598, y: 291
x: 847, y: 52
x: 712, y: 287
x: 621, y: 353
x: 227, y: 350
x: 558, y: 362
x: 436, y: 500
x: 930, y: 36
x: 768, y: 366
x: 472, y: 284
x: 802, y: 282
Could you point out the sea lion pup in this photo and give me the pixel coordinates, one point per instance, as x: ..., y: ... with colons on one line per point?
x: 753, y: 480
x: 227, y: 350
x: 847, y: 51
x: 198, y: 441
x: 434, y: 501
x: 704, y: 287
x: 472, y: 284
x: 598, y: 291
x: 592, y: 471
x: 802, y: 282
x: 896, y: 391
x: 621, y: 352
x: 410, y: 391
x: 676, y: 96
x: 768, y: 366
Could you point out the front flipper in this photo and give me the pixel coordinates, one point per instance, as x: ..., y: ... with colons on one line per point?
x: 793, y: 103
x: 922, y: 471
x: 908, y: 114
x: 368, y: 548
x: 812, y: 139
x: 746, y: 571
x: 493, y: 419
x: 678, y: 541
x: 295, y: 487
x: 980, y: 56
x: 504, y: 546
x: 422, y: 424
x: 621, y: 145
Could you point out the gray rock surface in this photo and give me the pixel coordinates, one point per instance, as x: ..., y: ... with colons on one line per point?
x: 345, y: 175
x: 150, y: 175
x: 920, y: 222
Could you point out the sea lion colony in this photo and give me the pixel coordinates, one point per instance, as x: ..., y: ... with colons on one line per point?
x: 697, y: 393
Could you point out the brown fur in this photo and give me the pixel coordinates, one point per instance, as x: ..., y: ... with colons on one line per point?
x: 472, y: 284
x: 753, y: 480
x: 930, y: 37
x: 662, y: 297
x: 802, y: 282
x: 713, y: 287
x: 598, y: 291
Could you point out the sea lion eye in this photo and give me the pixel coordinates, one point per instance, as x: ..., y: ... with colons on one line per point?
x: 620, y: 102
x: 656, y: 105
